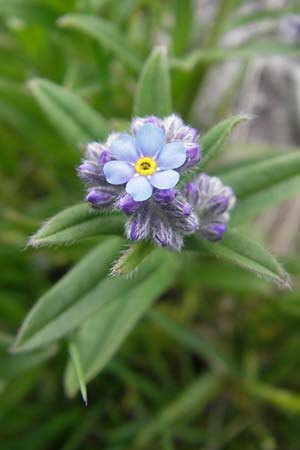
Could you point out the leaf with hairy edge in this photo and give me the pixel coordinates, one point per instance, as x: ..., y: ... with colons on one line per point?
x: 263, y: 184
x: 212, y: 142
x: 73, y: 118
x: 106, y: 33
x: 78, y: 296
x: 75, y: 223
x: 80, y: 280
x: 244, y: 252
x: 132, y: 257
x: 102, y: 335
x: 153, y: 95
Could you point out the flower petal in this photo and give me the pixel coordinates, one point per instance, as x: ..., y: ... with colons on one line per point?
x: 140, y: 188
x: 165, y: 179
x: 172, y: 156
x: 150, y: 139
x: 124, y: 148
x: 117, y: 172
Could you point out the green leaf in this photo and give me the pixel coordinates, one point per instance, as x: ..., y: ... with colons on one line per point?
x: 73, y: 119
x: 263, y: 184
x: 192, y: 400
x: 77, y: 367
x: 212, y: 142
x: 31, y: 11
x: 14, y: 365
x: 284, y: 400
x: 250, y: 51
x: 153, y: 95
x: 132, y: 257
x: 102, y: 335
x: 106, y: 33
x: 75, y: 223
x: 244, y: 252
x: 79, y: 295
x: 67, y: 293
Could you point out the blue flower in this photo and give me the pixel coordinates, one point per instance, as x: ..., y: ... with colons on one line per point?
x: 145, y: 162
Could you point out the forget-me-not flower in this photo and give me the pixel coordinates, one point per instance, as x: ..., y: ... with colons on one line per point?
x: 137, y: 174
x: 144, y: 162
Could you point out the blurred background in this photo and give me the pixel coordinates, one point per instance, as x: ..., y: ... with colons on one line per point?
x: 168, y: 386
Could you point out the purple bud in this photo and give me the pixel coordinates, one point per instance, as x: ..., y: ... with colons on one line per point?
x: 188, y: 133
x: 215, y: 231
x: 165, y: 236
x: 184, y: 208
x: 133, y: 231
x: 164, y: 195
x: 193, y: 153
x: 191, y: 191
x: 87, y: 171
x: 217, y: 204
x: 98, y: 198
x: 104, y: 157
x: 127, y: 204
x: 137, y: 226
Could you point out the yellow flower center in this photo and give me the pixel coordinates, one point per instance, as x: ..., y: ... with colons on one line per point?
x: 145, y: 166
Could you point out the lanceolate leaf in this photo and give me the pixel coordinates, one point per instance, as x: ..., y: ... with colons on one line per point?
x: 212, y: 142
x: 78, y: 296
x: 263, y: 184
x: 154, y: 87
x: 214, y: 55
x: 132, y: 257
x: 102, y: 335
x: 244, y: 252
x: 15, y: 365
x: 73, y: 119
x: 76, y: 284
x: 106, y: 33
x: 77, y: 367
x: 74, y: 223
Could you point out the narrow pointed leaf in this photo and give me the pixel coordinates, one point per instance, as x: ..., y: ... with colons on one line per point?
x: 249, y: 51
x: 76, y: 284
x: 106, y: 33
x: 263, y: 184
x: 239, y: 249
x: 78, y: 296
x: 102, y: 335
x: 73, y: 118
x: 153, y: 95
x: 75, y: 223
x: 12, y: 365
x: 132, y: 257
x: 77, y: 367
x: 212, y: 142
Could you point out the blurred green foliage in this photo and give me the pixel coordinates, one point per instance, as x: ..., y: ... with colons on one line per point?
x: 213, y: 364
